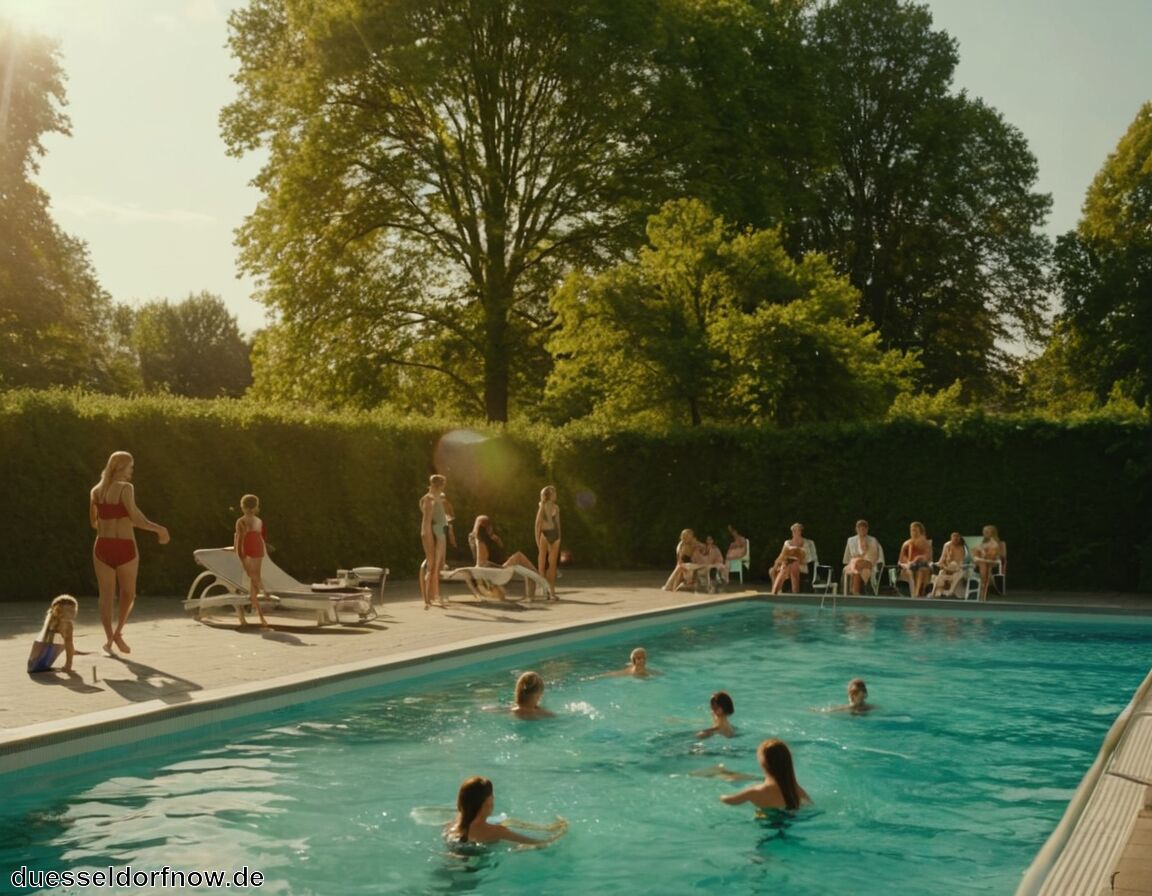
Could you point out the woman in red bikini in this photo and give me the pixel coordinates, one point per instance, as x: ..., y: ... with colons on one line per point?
x: 114, y: 515
x: 249, y: 546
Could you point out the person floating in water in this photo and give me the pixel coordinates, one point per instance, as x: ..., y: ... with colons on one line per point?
x: 475, y: 802
x: 722, y: 707
x: 779, y: 789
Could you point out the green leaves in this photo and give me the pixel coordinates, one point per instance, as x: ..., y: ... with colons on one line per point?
x: 711, y: 325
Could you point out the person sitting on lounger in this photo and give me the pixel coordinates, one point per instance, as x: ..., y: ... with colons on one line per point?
x: 488, y: 549
x: 950, y: 580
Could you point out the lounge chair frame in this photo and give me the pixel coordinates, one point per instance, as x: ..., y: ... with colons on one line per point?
x: 224, y: 584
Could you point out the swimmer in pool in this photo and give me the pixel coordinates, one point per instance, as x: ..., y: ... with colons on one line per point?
x: 474, y: 803
x: 722, y: 707
x: 857, y: 699
x: 779, y: 789
x: 526, y: 701
x: 637, y: 666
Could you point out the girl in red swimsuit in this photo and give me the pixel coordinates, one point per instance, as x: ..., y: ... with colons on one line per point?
x: 114, y: 515
x: 249, y: 545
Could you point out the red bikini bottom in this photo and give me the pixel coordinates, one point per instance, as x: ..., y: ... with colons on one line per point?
x: 114, y: 551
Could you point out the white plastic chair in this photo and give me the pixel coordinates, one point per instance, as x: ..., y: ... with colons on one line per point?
x: 877, y: 570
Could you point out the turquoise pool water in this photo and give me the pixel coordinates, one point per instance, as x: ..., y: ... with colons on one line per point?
x: 986, y: 724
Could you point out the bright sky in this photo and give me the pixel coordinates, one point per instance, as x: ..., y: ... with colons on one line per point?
x: 145, y: 182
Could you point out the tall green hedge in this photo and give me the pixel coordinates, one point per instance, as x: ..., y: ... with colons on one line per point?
x: 338, y: 490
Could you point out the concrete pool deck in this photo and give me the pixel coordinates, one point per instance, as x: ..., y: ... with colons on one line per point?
x: 177, y: 661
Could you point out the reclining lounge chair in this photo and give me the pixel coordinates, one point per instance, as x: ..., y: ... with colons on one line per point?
x: 224, y: 584
x: 488, y: 582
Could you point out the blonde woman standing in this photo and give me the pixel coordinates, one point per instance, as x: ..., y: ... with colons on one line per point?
x: 548, y: 534
x: 114, y: 515
x: 433, y: 525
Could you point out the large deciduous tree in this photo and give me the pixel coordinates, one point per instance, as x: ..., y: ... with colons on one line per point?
x: 1104, y: 269
x: 191, y: 348
x: 930, y: 206
x: 433, y: 165
x: 54, y: 318
x: 711, y: 324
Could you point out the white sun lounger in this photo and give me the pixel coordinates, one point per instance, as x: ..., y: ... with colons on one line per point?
x: 488, y: 582
x: 224, y: 584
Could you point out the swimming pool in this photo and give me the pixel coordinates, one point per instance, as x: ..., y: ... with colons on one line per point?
x: 986, y: 725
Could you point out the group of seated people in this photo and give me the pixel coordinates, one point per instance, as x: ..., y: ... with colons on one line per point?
x: 701, y: 563
x: 946, y: 577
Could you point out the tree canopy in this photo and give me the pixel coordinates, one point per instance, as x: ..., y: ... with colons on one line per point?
x: 1104, y: 270
x: 929, y: 207
x: 711, y: 324
x: 54, y: 317
x: 192, y: 348
x: 434, y: 167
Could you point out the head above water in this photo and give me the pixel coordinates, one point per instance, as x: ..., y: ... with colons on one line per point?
x: 721, y: 702
x: 638, y: 657
x: 529, y: 688
x: 776, y: 760
x: 857, y: 691
x: 470, y: 800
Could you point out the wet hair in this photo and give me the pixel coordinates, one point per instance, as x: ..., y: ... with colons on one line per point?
x: 117, y: 461
x: 914, y: 526
x: 799, y: 526
x: 994, y: 531
x: 863, y: 523
x: 437, y: 479
x: 250, y: 502
x: 544, y: 493
x: 857, y: 684
x: 56, y: 611
x: 776, y: 760
x: 638, y: 651
x: 685, y: 534
x: 470, y: 800
x: 722, y: 701
x: 528, y: 684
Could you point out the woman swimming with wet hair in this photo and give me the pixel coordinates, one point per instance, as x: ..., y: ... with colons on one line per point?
x: 779, y: 789
x: 527, y: 696
x: 474, y: 803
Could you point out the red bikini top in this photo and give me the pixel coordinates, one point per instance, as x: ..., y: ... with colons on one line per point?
x: 111, y: 511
